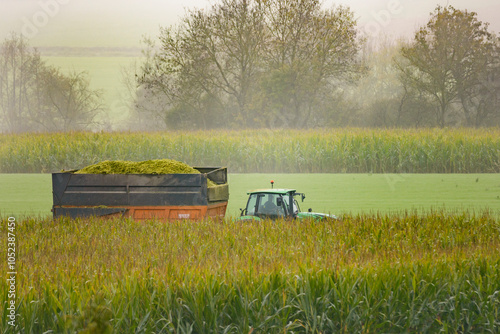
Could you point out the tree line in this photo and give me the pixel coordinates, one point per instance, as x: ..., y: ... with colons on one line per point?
x: 37, y: 97
x: 292, y: 64
x: 251, y: 63
x: 274, y: 64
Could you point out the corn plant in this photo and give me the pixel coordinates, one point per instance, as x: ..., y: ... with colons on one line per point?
x: 367, y: 273
x: 298, y: 151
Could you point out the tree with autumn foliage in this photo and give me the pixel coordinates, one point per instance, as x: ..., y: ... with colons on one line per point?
x: 450, y: 62
x: 251, y: 63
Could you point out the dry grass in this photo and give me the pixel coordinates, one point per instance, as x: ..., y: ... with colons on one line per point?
x: 73, y: 250
x: 364, y: 274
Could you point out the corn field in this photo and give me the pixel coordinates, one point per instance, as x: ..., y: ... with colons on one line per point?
x: 438, y: 272
x: 282, y: 151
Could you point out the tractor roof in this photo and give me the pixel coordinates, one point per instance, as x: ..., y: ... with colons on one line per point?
x: 272, y: 191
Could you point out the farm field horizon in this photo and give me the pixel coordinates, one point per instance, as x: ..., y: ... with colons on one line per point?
x: 416, y: 250
x: 31, y: 194
x: 396, y: 141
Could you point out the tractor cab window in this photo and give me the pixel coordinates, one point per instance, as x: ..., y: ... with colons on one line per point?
x: 269, y: 205
x: 252, y: 205
x: 266, y: 205
x: 296, y: 208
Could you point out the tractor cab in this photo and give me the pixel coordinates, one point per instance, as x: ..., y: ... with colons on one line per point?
x: 272, y: 203
x: 275, y: 204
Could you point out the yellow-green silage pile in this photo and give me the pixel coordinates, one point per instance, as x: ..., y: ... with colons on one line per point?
x: 159, y: 166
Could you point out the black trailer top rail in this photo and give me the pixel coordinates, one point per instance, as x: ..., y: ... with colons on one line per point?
x: 99, y: 190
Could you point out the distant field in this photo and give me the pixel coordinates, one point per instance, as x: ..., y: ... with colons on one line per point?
x: 105, y: 73
x: 31, y: 194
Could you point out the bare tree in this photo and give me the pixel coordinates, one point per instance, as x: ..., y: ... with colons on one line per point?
x: 18, y: 64
x: 36, y: 97
x: 69, y: 102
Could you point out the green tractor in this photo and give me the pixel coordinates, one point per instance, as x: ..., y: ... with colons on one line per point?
x: 277, y: 204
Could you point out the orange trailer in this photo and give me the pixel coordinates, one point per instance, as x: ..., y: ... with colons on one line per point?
x: 142, y: 196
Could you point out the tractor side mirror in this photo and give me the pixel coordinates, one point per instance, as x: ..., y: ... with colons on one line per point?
x: 279, y: 201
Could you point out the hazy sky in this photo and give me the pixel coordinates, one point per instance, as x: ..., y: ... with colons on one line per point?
x: 122, y: 23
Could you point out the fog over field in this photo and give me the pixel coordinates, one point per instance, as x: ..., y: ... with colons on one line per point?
x: 105, y: 40
x: 114, y: 23
x: 385, y: 113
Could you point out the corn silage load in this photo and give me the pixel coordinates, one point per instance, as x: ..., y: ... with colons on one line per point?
x: 159, y: 166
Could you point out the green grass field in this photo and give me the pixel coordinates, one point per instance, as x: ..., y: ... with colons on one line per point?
x: 31, y: 194
x: 435, y: 269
